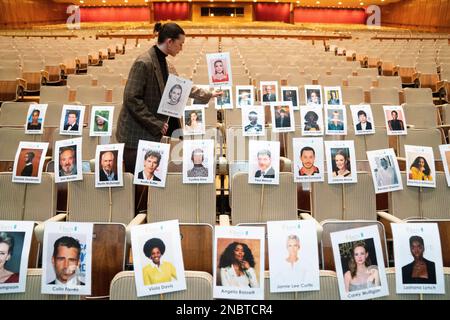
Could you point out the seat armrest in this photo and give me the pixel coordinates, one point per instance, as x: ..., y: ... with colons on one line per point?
x: 39, y: 229
x: 285, y: 164
x: 222, y: 166
x: 389, y: 217
x: 319, y: 228
x: 137, y: 220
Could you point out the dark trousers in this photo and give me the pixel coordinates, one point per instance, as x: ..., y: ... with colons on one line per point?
x: 141, y: 192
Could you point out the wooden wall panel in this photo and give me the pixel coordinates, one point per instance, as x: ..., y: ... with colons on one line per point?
x: 431, y: 15
x: 26, y: 13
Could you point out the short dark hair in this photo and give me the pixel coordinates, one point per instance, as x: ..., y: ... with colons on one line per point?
x: 73, y: 112
x: 37, y: 111
x: 31, y: 155
x: 418, y: 239
x: 393, y: 111
x: 169, y: 30
x: 153, y: 154
x: 307, y: 149
x: 64, y: 149
x: 68, y: 242
x: 154, y: 243
x: 362, y: 112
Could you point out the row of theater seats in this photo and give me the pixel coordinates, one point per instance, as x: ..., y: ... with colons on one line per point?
x: 199, y: 287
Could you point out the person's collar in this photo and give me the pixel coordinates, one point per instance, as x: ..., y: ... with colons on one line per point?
x: 161, y: 261
x: 70, y: 283
x: 160, y: 50
x: 108, y: 174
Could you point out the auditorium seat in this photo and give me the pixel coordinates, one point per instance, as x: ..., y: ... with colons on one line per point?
x: 50, y: 93
x: 14, y: 114
x: 76, y: 80
x: 12, y: 85
x: 32, y: 74
x: 360, y: 81
x: 428, y: 75
x: 110, y: 80
x: 368, y: 72
x: 91, y: 95
x: 387, y: 96
x: 416, y: 95
x: 364, y: 143
x: 344, y: 201
x: 19, y: 201
x: 189, y: 203
x: 421, y: 115
x: 33, y: 290
x: 299, y: 79
x: 353, y: 95
x: 415, y: 202
x: 267, y: 202
x: 198, y: 287
x: 431, y: 137
x: 331, y: 80
x: 9, y: 142
x: 389, y: 82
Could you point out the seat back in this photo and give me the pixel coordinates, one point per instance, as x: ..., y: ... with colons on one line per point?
x: 353, y: 95
x: 89, y: 144
x: 189, y: 203
x: 364, y: 143
x: 418, y: 95
x: 51, y: 93
x: 91, y: 95
x: 389, y: 82
x: 198, y: 287
x: 430, y: 137
x: 76, y: 80
x: 422, y: 115
x: 384, y: 95
x: 260, y: 203
x: 33, y: 290
x: 89, y: 204
x: 344, y: 201
x: 13, y: 114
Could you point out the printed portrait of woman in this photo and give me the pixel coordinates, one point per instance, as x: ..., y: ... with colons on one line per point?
x: 193, y: 120
x: 420, y: 170
x: 158, y: 270
x: 175, y: 95
x: 220, y: 74
x: 6, y: 252
x: 237, y: 266
x: 341, y: 163
x: 361, y: 273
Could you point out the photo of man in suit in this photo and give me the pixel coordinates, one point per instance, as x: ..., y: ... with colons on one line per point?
x: 282, y: 119
x: 269, y: 95
x: 72, y: 121
x: 107, y: 159
x: 265, y: 169
x: 253, y: 126
x: 420, y: 270
x: 363, y: 124
x: 66, y: 261
x: 27, y: 171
